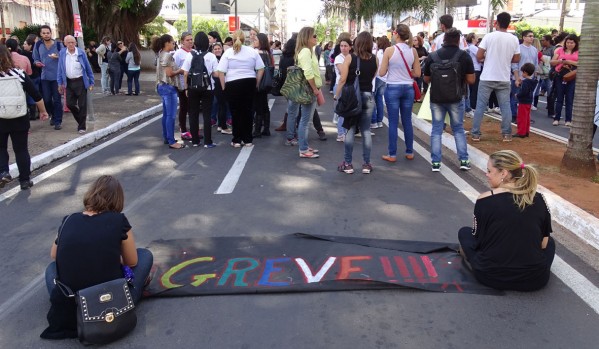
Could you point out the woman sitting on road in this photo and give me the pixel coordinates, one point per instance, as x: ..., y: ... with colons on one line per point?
x: 509, y: 247
x: 368, y: 69
x: 93, y: 247
x: 167, y: 85
x: 17, y: 128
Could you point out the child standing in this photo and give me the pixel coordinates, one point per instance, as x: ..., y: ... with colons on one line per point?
x: 525, y: 97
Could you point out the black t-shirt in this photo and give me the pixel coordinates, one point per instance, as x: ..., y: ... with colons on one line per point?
x: 367, y: 72
x: 447, y: 52
x: 89, y: 249
x: 508, y: 241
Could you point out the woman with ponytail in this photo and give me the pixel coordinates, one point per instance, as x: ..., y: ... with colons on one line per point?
x: 509, y: 247
x: 240, y: 71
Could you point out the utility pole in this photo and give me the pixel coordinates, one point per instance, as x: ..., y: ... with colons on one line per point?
x: 78, y: 33
x: 189, y: 17
x: 2, y: 18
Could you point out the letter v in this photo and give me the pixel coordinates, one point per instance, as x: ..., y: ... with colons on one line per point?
x: 308, y: 272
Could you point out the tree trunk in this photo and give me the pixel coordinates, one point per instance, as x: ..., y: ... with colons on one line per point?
x: 578, y: 159
x: 109, y: 17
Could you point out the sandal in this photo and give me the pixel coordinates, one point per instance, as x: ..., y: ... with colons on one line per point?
x: 181, y: 146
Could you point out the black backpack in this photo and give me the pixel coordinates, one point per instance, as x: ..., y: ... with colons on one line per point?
x: 447, y: 85
x: 198, y: 78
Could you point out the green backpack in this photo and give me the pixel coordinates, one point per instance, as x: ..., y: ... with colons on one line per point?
x: 296, y: 87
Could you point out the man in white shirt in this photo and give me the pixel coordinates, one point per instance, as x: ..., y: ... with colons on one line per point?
x: 75, y: 76
x: 497, y: 51
x: 446, y: 23
x: 180, y: 56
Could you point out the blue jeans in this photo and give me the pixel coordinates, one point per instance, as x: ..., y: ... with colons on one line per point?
x: 293, y: 110
x: 364, y: 125
x: 133, y: 77
x: 456, y: 119
x: 378, y: 112
x: 564, y: 90
x: 52, y: 100
x: 502, y: 91
x: 104, y: 79
x: 145, y: 259
x: 399, y: 100
x: 513, y: 99
x: 169, y: 111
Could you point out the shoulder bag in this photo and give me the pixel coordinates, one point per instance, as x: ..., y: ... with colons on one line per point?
x: 13, y: 103
x: 417, y: 94
x: 349, y: 104
x: 267, y: 76
x: 105, y: 312
x: 296, y: 87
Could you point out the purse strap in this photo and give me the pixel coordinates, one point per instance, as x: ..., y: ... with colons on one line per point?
x: 404, y: 61
x: 66, y: 290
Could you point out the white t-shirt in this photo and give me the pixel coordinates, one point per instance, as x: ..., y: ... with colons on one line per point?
x: 472, y: 50
x: 438, y: 42
x: 500, y: 47
x: 179, y: 56
x: 240, y: 65
x: 379, y: 57
x: 210, y: 62
x: 339, y: 59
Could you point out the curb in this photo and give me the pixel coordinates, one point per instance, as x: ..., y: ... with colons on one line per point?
x: 85, y: 140
x: 581, y: 223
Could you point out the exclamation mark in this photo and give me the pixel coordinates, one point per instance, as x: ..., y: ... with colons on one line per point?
x: 403, y: 269
x: 388, y: 269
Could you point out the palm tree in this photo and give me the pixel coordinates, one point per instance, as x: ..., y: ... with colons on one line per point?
x: 578, y: 159
x: 358, y: 9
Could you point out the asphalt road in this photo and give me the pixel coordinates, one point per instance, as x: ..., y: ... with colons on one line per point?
x: 171, y: 194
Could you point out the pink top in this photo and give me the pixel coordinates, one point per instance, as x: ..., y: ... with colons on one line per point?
x: 21, y: 62
x: 567, y: 56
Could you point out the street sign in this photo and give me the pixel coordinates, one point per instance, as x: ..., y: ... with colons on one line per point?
x: 328, y: 33
x: 232, y: 24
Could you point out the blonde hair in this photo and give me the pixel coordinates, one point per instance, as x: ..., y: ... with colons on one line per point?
x: 524, y: 177
x: 404, y: 33
x: 303, y: 40
x: 536, y: 43
x: 238, y: 40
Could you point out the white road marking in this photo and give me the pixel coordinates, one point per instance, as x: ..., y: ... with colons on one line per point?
x: 577, y: 282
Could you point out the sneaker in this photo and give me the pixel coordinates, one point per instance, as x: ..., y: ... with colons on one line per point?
x: 308, y: 154
x: 371, y: 133
x: 555, y: 123
x: 81, y: 132
x: 475, y: 138
x: 5, y: 178
x: 291, y: 142
x: 26, y: 185
x: 358, y: 135
x: 341, y: 138
x: 464, y: 165
x: 410, y: 156
x: 497, y: 110
x: 195, y: 145
x: 568, y: 124
x: 436, y: 167
x: 507, y: 138
x: 345, y: 167
x: 57, y: 127
x: 366, y: 168
x: 389, y: 158
x: 374, y: 125
x: 469, y: 114
x: 210, y: 145
x: 248, y: 145
x: 185, y: 135
x: 380, y: 124
x: 226, y: 131
x: 533, y: 108
x: 219, y: 129
x: 315, y: 151
x: 229, y: 122
x: 236, y: 145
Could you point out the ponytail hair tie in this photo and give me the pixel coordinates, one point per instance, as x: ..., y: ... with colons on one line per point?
x: 522, y: 165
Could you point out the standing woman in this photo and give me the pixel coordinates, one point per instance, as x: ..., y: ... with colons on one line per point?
x: 114, y: 67
x: 262, y: 119
x: 345, y: 46
x: 472, y: 41
x: 167, y: 84
x: 35, y: 76
x: 240, y: 71
x: 368, y: 69
x: 326, y: 53
x: 18, y: 128
x: 213, y: 38
x: 398, y: 62
x: 380, y: 84
x: 220, y: 108
x: 418, y: 44
x: 305, y: 59
x: 133, y: 69
x: 565, y: 58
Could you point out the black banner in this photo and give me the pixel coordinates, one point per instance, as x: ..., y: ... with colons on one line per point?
x: 305, y: 263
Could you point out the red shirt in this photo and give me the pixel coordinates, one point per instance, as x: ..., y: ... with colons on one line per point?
x: 21, y: 62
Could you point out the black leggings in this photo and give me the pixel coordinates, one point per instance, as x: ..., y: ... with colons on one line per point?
x: 468, y: 243
x: 19, y: 145
x: 240, y: 95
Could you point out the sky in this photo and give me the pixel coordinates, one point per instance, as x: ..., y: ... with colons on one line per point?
x: 302, y: 13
